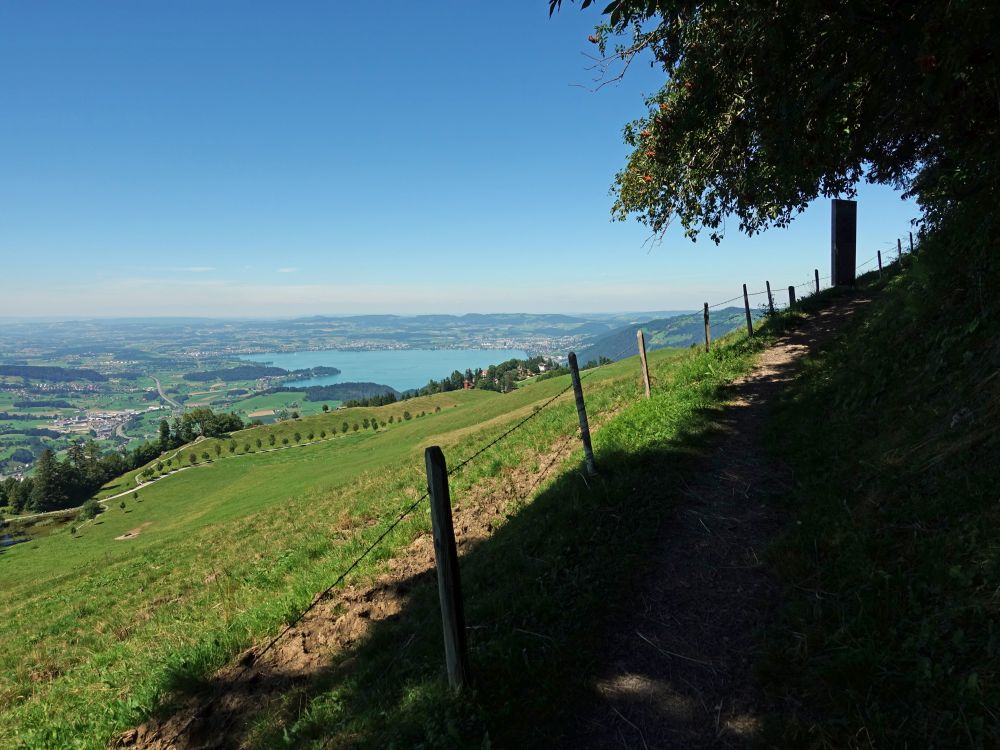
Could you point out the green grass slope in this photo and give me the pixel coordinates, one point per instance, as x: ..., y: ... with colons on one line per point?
x: 889, y: 637
x: 536, y: 591
x: 95, y: 632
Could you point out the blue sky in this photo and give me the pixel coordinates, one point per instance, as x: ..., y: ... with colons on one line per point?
x: 273, y: 159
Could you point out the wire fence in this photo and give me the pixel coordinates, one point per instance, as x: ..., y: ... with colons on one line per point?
x: 397, y: 519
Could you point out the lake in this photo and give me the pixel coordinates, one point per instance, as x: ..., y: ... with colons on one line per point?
x: 401, y: 368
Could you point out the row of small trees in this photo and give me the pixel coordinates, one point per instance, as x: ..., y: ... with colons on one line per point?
x: 66, y: 483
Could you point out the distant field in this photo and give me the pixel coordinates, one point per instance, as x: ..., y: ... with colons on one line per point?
x: 274, y: 401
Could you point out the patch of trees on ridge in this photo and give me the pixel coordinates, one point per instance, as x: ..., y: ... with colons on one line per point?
x: 201, y: 422
x: 342, y: 392
x: 501, y: 378
x: 51, y: 373
x: 59, y: 484
x: 31, y: 404
x: 252, y: 372
x: 8, y: 417
x: 30, y: 431
x: 67, y: 483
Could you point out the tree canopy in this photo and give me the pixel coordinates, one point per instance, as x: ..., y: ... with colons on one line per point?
x: 767, y: 105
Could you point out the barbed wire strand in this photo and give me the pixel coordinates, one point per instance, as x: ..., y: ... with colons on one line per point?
x: 316, y: 600
x: 504, y: 434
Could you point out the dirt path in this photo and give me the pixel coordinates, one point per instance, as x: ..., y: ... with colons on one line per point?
x: 679, y: 663
x: 679, y: 668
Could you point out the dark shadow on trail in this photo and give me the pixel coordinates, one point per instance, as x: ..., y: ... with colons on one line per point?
x: 618, y: 611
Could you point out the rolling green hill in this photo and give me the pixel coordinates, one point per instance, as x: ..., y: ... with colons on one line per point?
x: 97, y: 630
x: 106, y: 627
x: 677, y: 332
x: 889, y: 575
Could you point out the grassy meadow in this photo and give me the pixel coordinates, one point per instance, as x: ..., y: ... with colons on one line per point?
x: 95, y: 633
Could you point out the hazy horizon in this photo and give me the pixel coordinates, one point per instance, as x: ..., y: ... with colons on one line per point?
x: 595, y: 314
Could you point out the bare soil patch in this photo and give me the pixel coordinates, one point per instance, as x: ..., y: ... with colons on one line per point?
x: 133, y: 533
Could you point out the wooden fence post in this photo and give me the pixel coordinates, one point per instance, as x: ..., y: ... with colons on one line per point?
x: 899, y: 249
x: 581, y: 412
x: 708, y: 330
x: 879, y: 254
x: 642, y: 358
x: 446, y: 556
x: 816, y: 274
x: 770, y: 299
x: 911, y: 243
x: 746, y: 306
x: 791, y: 296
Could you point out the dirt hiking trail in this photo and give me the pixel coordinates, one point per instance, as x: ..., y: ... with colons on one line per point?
x: 678, y: 661
x: 679, y: 666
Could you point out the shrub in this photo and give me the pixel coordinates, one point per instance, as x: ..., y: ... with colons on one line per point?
x: 90, y: 509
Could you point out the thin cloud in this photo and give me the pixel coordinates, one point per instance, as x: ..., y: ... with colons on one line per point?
x: 187, y: 269
x: 154, y: 296
x: 289, y: 269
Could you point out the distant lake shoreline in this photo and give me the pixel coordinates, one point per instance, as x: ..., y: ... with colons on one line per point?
x: 402, y: 369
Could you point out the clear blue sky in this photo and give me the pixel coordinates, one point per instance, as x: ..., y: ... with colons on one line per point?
x: 271, y: 159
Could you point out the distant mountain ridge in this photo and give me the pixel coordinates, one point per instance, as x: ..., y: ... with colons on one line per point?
x: 680, y: 331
